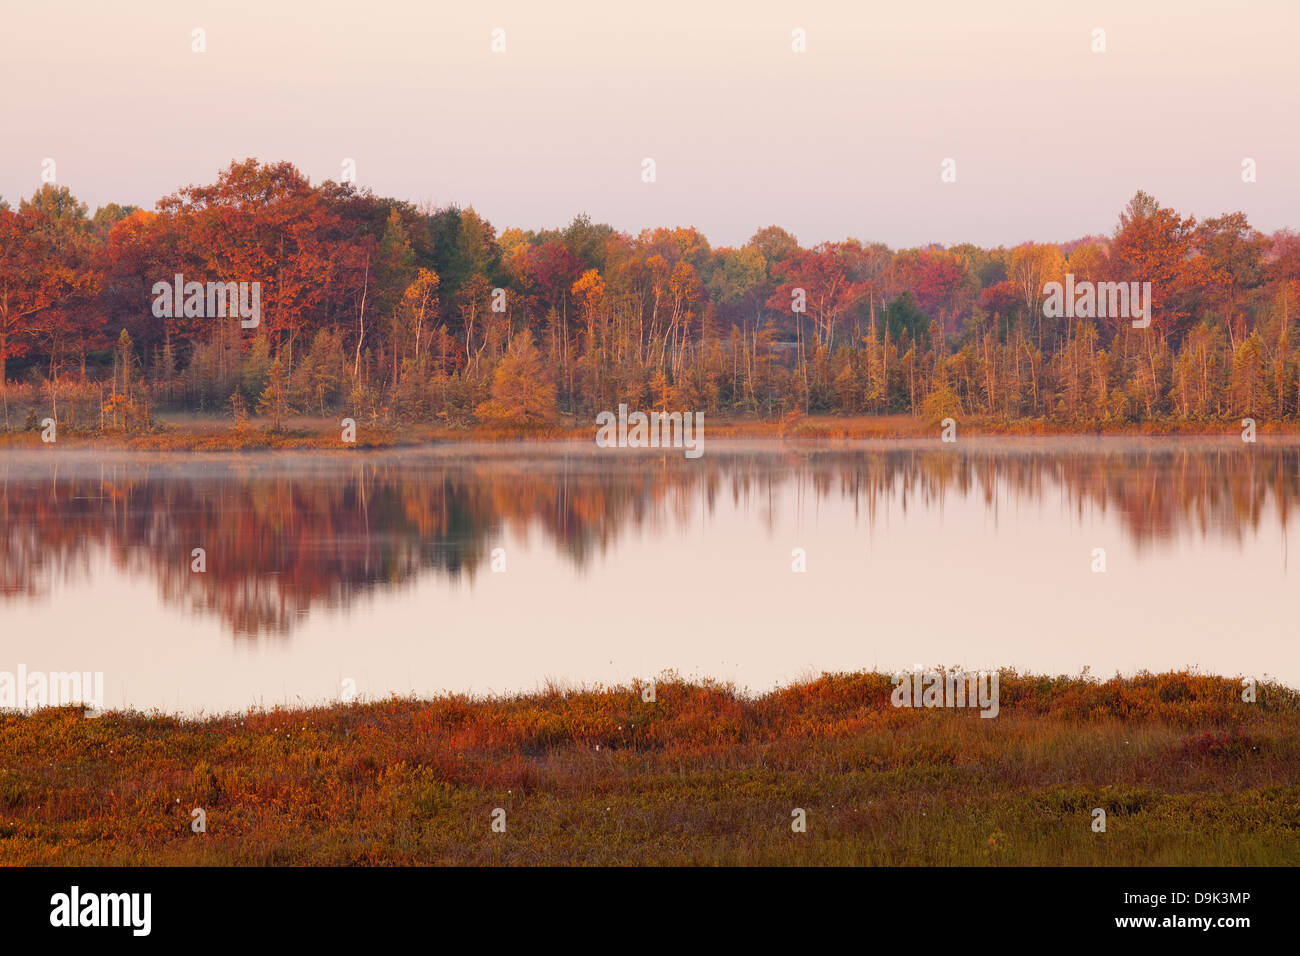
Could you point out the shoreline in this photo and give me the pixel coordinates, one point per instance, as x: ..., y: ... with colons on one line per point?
x: 190, y: 434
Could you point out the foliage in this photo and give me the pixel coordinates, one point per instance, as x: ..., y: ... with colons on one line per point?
x: 385, y: 312
x: 703, y: 774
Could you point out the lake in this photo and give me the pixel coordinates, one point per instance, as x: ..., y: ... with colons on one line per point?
x: 490, y: 569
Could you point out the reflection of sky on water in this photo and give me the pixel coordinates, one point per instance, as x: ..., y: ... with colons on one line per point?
x: 618, y: 565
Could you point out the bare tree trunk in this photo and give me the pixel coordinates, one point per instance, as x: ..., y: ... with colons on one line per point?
x: 361, y: 321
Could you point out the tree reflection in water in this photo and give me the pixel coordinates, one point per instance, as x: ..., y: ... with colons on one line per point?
x: 285, y: 534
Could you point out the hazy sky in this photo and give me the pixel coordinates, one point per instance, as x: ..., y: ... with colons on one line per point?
x: 1050, y: 139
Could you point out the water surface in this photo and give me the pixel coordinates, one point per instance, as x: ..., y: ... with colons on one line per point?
x: 377, y: 569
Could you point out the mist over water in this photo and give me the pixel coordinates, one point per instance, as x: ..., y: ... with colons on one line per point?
x: 619, y: 564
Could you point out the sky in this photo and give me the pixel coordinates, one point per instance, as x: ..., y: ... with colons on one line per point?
x: 848, y: 138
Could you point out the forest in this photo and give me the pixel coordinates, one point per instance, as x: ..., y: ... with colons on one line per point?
x: 391, y: 312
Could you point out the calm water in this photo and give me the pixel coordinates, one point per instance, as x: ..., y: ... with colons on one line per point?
x: 377, y: 568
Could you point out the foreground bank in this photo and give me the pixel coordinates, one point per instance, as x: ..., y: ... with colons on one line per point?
x: 1185, y: 771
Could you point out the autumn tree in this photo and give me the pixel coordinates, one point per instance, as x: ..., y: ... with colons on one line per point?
x: 274, y: 400
x: 522, y: 395
x: 1154, y: 244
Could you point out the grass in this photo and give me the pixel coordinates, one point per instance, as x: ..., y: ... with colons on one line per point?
x: 1186, y: 772
x: 191, y: 432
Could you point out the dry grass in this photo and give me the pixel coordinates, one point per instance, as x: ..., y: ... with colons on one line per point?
x: 200, y: 433
x: 1187, y: 772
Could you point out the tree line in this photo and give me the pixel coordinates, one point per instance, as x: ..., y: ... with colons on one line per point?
x: 393, y: 312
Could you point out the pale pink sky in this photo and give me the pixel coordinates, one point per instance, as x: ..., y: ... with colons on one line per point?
x: 1050, y: 139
